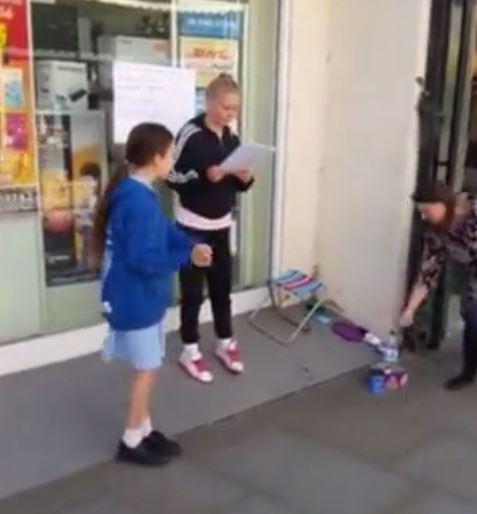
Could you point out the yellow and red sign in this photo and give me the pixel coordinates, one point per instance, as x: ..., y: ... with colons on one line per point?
x: 17, y: 162
x: 13, y: 18
x: 209, y: 57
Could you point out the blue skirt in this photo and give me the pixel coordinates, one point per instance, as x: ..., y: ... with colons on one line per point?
x: 143, y: 349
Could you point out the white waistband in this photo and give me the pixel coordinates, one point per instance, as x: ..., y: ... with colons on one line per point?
x: 191, y: 220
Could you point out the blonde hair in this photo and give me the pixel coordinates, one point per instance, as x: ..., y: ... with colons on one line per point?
x: 224, y: 83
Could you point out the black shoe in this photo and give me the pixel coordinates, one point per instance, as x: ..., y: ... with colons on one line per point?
x: 460, y: 382
x: 160, y: 444
x: 142, y: 455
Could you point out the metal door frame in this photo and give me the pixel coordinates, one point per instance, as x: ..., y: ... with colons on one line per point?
x: 431, y: 117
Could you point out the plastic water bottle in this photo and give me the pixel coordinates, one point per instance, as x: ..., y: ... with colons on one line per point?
x: 393, y: 341
x: 372, y: 340
x: 390, y: 350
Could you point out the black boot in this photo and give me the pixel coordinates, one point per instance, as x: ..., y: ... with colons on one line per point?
x: 460, y: 382
x: 469, y: 366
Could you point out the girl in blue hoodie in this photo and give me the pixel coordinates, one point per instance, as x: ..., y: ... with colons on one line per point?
x: 139, y: 249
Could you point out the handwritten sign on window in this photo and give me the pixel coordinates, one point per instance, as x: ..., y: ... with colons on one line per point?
x: 151, y: 93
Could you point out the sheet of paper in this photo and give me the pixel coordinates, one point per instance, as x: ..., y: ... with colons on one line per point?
x: 246, y: 156
x: 149, y: 92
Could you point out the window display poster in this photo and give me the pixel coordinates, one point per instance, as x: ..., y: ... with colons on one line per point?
x: 220, y: 25
x: 14, y: 29
x: 54, y: 161
x: 18, y: 176
x: 89, y: 165
x: 148, y: 92
x: 18, y: 200
x: 72, y: 161
x: 209, y: 57
x: 210, y: 43
x: 14, y: 90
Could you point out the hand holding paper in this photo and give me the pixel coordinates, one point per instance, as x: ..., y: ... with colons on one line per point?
x: 215, y: 174
x: 246, y: 157
x: 245, y: 176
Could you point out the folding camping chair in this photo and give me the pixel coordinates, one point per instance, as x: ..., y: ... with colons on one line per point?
x: 292, y: 284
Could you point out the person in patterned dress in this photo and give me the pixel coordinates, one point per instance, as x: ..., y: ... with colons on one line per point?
x: 451, y: 237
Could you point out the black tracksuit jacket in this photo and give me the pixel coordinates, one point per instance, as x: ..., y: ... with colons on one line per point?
x: 197, y: 149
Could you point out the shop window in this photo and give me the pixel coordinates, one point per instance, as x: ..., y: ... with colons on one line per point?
x: 71, y: 88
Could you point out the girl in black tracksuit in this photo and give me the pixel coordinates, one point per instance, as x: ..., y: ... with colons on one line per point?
x: 206, y: 199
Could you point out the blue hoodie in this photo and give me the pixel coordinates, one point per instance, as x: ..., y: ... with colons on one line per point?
x: 143, y: 249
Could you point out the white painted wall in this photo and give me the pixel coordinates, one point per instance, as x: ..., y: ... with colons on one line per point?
x: 352, y: 147
x: 305, y: 132
x: 378, y: 48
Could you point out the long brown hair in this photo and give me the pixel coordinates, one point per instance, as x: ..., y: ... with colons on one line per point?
x: 145, y: 142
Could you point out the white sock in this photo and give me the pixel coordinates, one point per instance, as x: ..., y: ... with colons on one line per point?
x: 132, y: 437
x: 225, y: 343
x: 146, y: 427
x: 193, y: 351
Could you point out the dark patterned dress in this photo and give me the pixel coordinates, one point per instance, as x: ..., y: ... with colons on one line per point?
x: 457, y: 245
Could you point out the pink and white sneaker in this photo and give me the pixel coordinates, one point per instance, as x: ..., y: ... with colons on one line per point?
x: 196, y: 366
x: 229, y: 355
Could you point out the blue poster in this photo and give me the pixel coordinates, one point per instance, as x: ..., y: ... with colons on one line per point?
x: 226, y: 25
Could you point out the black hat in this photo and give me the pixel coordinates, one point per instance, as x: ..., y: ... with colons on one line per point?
x: 436, y: 192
